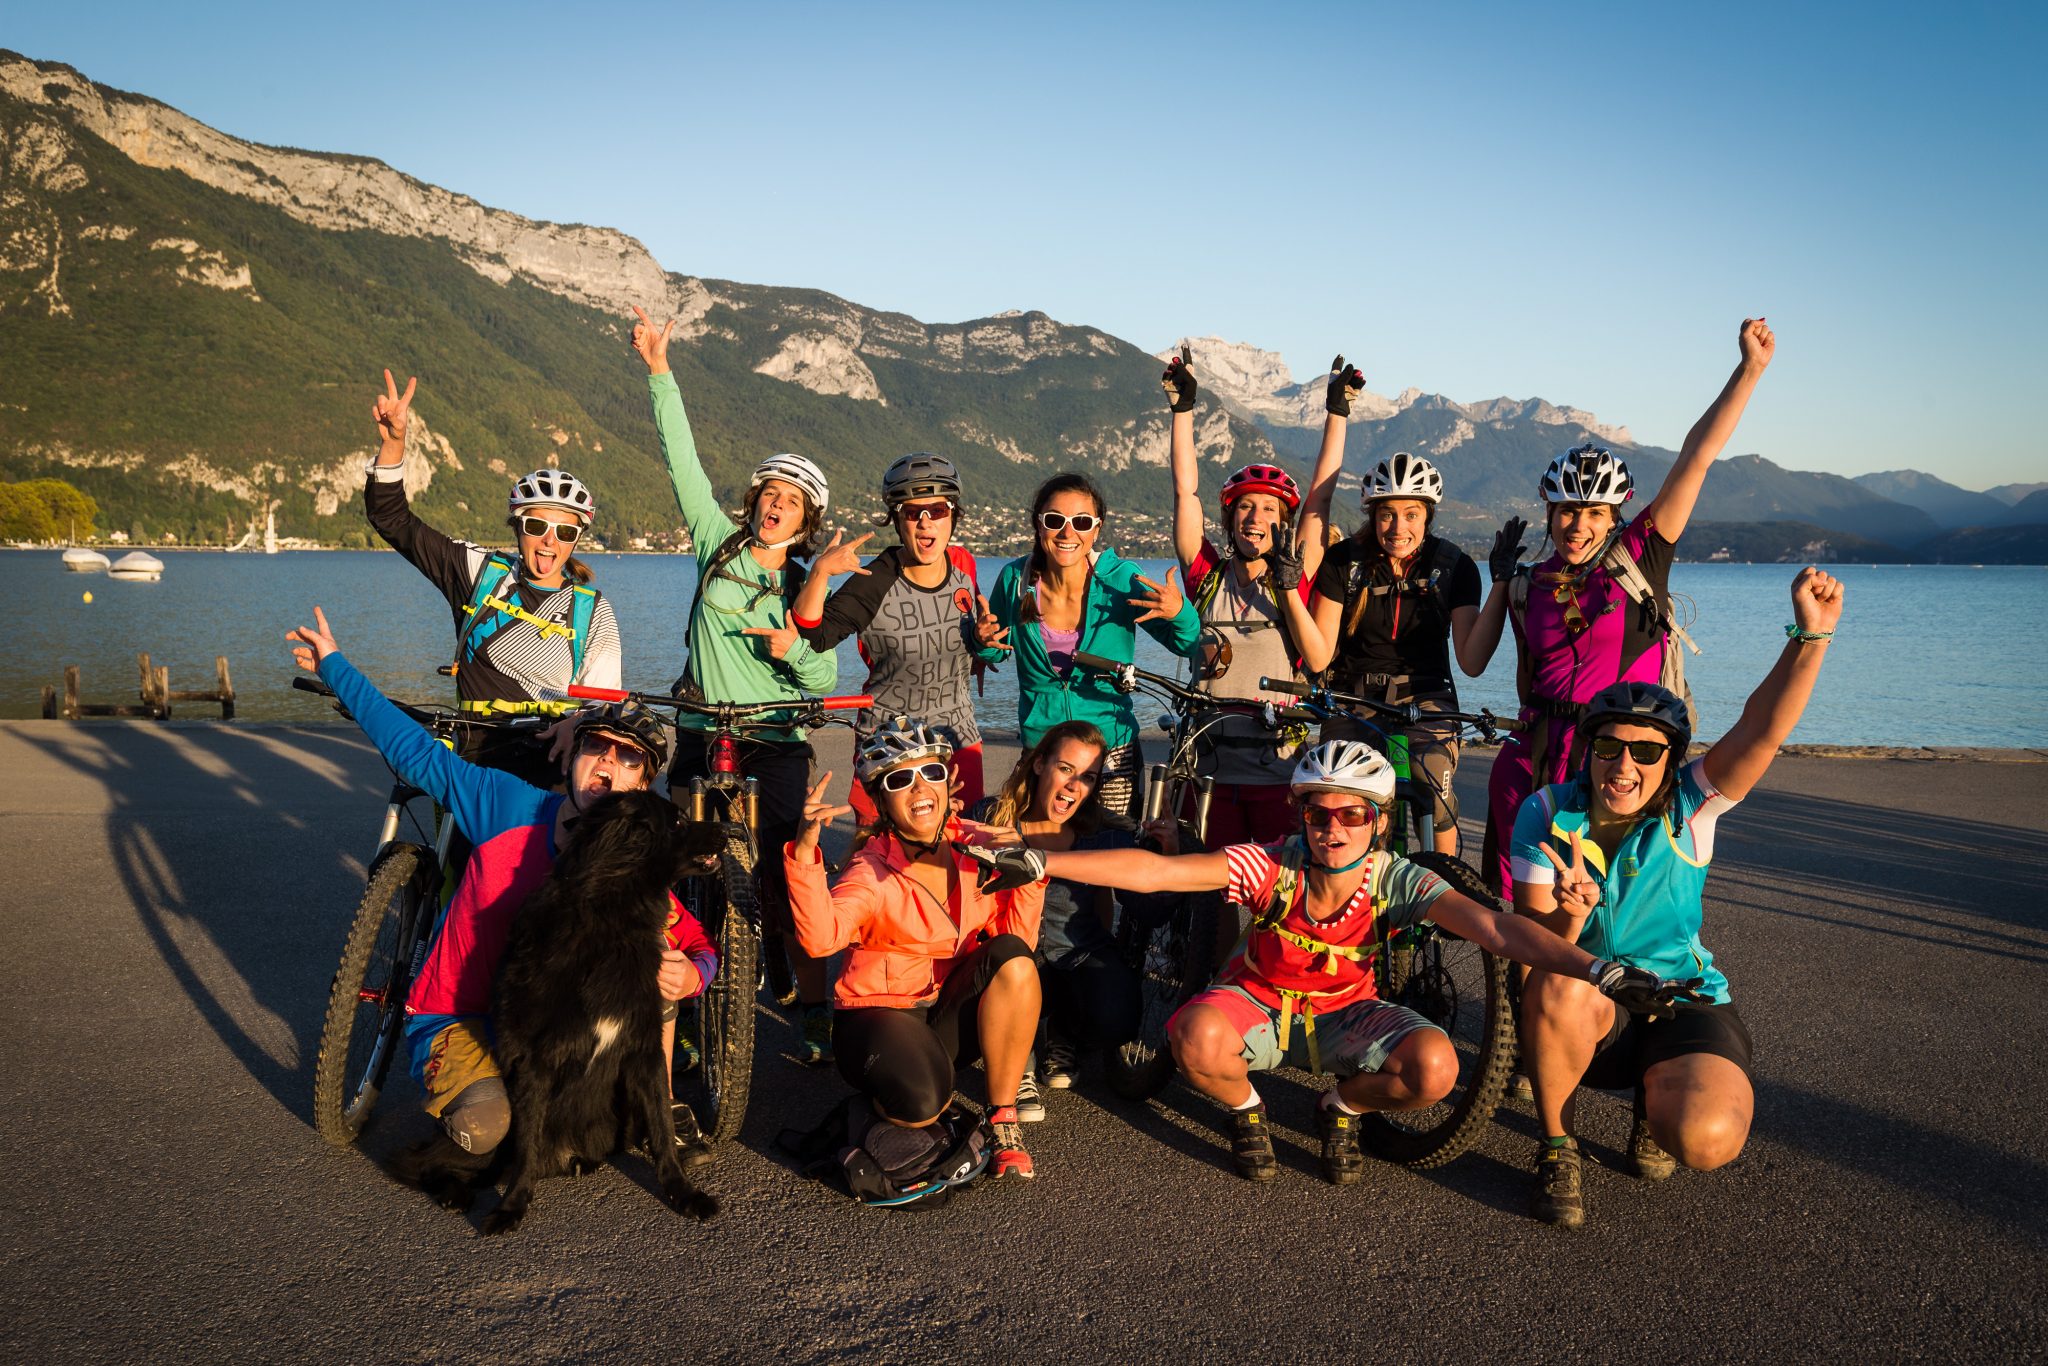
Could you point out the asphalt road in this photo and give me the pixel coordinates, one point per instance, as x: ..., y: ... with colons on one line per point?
x: 177, y: 901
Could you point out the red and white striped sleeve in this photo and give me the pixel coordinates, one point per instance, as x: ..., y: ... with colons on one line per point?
x: 1251, y: 869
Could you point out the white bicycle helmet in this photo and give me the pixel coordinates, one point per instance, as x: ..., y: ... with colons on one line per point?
x: 897, y: 742
x: 553, y: 488
x: 1350, y: 766
x: 1587, y: 474
x: 1402, y: 475
x: 794, y: 469
x: 920, y: 475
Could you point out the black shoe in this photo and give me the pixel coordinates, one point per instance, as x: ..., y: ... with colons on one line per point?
x: 1251, y: 1147
x: 1652, y: 1162
x: 776, y: 974
x: 1343, y: 1164
x: 691, y: 1147
x: 1560, y: 1191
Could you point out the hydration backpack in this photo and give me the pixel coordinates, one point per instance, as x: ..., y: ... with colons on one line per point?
x: 1628, y: 576
x: 490, y: 612
x: 793, y: 574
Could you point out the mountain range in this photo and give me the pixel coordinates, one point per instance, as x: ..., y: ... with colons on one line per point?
x: 194, y: 325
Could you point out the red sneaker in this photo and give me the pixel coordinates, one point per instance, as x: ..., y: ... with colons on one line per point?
x: 1011, y: 1159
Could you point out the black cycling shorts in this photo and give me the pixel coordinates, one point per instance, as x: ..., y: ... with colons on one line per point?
x: 903, y: 1057
x: 1634, y: 1045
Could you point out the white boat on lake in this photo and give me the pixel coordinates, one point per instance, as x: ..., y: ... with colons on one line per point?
x: 137, y: 565
x: 85, y: 561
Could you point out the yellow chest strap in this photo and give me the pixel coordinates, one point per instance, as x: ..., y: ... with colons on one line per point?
x: 513, y: 609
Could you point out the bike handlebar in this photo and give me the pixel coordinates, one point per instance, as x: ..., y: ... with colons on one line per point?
x: 853, y: 702
x: 1409, y: 713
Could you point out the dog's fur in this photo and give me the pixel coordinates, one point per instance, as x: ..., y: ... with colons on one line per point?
x: 577, y: 1020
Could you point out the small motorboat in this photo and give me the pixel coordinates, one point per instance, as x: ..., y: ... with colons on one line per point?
x: 85, y: 561
x: 137, y: 565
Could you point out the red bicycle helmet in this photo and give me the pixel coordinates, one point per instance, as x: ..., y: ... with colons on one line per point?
x: 1262, y: 479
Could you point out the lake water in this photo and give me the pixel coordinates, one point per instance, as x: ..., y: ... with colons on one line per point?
x: 1928, y: 655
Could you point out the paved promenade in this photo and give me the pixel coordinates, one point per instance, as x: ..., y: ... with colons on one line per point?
x: 177, y: 897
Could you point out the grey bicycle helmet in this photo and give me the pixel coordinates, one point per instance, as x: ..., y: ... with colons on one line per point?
x: 627, y: 721
x: 553, y: 488
x: 1587, y: 474
x: 920, y: 475
x: 898, y: 741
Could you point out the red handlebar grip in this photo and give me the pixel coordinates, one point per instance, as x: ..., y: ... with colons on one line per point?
x: 590, y: 694
x: 845, y: 703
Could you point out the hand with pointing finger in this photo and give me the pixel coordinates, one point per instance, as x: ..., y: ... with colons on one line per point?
x: 1577, y: 893
x: 841, y: 558
x: 1346, y: 383
x: 1163, y: 603
x: 818, y: 813
x: 1179, y: 383
x: 779, y: 638
x: 989, y: 631
x: 389, y: 412
x: 651, y: 344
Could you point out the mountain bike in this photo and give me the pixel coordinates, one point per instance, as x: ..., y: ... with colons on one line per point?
x: 1457, y: 985
x: 727, y: 900
x: 1174, y: 957
x: 388, y: 939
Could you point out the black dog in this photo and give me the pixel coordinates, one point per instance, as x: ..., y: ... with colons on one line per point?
x: 577, y: 1020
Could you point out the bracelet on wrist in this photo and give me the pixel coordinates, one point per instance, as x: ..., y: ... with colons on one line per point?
x: 1795, y: 632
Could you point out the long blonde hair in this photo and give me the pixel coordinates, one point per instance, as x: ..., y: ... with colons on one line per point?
x: 1013, y: 802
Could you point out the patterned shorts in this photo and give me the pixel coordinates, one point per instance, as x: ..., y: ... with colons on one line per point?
x: 1358, y: 1038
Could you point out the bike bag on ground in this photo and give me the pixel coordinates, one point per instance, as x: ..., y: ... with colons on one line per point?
x: 889, y: 1165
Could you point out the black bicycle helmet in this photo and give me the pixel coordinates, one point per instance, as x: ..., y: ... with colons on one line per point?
x: 1644, y: 704
x: 627, y: 721
x: 920, y: 475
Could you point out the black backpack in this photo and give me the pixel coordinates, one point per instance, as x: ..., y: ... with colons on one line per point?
x: 889, y: 1165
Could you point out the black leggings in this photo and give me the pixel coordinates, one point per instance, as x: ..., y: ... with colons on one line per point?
x: 902, y: 1057
x: 783, y: 768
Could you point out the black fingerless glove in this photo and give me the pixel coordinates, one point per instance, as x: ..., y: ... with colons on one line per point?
x: 1346, y: 383
x: 1002, y: 869
x: 1643, y: 993
x: 1507, y: 549
x: 1179, y: 383
x: 1286, y: 568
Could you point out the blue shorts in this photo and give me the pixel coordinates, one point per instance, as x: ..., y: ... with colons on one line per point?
x: 1358, y: 1038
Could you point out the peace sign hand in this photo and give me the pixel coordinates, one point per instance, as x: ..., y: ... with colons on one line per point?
x: 652, y: 345
x: 836, y: 558
x: 1163, y: 603
x: 315, y: 643
x: 1577, y: 893
x: 389, y: 412
x: 818, y: 813
x: 989, y: 631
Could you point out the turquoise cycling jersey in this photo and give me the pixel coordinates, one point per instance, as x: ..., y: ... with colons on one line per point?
x: 1652, y: 893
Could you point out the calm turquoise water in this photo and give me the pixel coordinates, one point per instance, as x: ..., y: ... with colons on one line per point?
x: 1927, y: 654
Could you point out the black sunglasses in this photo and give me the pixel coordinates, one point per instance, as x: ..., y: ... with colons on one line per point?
x: 537, y: 527
x: 896, y: 779
x: 1644, y: 752
x: 1083, y: 522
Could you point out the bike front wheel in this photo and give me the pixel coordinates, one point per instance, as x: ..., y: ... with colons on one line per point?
x: 1459, y: 987
x: 1175, y: 959
x: 726, y: 905
x: 366, y: 1004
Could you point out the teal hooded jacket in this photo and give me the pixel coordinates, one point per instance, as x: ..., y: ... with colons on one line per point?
x: 1044, y: 698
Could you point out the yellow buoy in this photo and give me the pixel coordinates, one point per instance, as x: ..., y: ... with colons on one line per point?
x: 88, y: 595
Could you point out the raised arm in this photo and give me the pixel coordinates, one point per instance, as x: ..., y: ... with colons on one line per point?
x: 1140, y: 870
x: 1481, y: 636
x: 1739, y: 758
x: 708, y: 524
x: 450, y: 565
x: 1672, y: 508
x: 825, y: 621
x: 1311, y: 528
x: 1179, y: 383
x: 827, y: 919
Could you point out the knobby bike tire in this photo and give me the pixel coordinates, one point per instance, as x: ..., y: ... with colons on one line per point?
x: 1175, y: 960
x: 366, y: 1004
x: 726, y: 905
x: 1464, y: 989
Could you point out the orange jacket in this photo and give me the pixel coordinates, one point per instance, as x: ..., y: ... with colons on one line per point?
x: 902, y: 942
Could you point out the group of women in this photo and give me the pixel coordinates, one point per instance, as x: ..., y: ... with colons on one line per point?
x: 958, y: 934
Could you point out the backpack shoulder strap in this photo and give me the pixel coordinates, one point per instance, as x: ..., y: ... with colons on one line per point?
x: 1292, y: 855
x: 490, y: 577
x: 1628, y: 574
x: 582, y: 609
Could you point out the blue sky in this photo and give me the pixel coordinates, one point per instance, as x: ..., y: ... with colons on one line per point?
x: 1572, y: 201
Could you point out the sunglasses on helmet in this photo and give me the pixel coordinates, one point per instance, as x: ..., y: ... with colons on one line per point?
x: 896, y: 779
x: 1083, y: 522
x: 1645, y: 752
x: 537, y: 527
x: 1351, y: 817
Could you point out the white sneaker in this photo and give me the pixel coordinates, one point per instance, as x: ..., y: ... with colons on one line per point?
x: 1060, y: 1065
x: 1030, y: 1100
